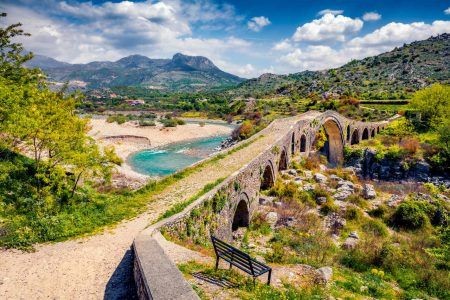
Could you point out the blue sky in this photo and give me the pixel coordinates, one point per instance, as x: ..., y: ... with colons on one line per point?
x: 244, y: 37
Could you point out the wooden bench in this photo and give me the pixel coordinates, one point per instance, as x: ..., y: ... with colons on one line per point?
x: 239, y: 259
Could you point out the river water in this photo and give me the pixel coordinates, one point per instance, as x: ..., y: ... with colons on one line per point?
x: 168, y: 159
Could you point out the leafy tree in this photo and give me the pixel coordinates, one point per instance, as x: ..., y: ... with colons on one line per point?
x: 11, y: 57
x: 433, y: 105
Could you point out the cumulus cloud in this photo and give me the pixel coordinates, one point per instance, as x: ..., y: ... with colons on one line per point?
x: 328, y: 27
x: 258, y: 23
x: 330, y: 11
x: 395, y: 34
x: 80, y: 32
x: 313, y: 58
x: 371, y: 16
x: 447, y: 11
x: 284, y: 45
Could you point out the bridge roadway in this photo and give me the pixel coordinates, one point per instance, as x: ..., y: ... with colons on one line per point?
x: 100, y: 266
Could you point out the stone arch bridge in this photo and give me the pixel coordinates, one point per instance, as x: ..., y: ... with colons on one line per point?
x: 279, y: 141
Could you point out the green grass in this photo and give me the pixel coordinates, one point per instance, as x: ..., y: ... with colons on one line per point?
x: 182, y: 205
x: 91, y: 213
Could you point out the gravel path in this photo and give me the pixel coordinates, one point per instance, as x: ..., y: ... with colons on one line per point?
x: 100, y: 266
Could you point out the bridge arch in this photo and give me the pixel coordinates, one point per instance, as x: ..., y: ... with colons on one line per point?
x: 355, y: 137
x: 348, y: 133
x: 335, y: 141
x: 293, y: 144
x: 378, y: 129
x: 268, y: 177
x: 365, y: 134
x: 283, y: 163
x: 241, y: 216
x: 372, y: 134
x: 303, y: 143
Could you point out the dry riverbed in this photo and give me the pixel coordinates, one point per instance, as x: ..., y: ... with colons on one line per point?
x: 129, y: 137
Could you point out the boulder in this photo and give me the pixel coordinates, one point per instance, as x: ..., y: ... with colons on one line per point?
x: 320, y: 178
x: 354, y: 235
x: 292, y: 172
x: 342, y: 195
x: 321, y: 200
x: 394, y: 201
x: 308, y: 187
x: 350, y: 243
x: 345, y: 184
x: 334, y: 222
x: 272, y: 218
x: 368, y: 191
x: 336, y: 178
x: 266, y: 200
x: 324, y: 274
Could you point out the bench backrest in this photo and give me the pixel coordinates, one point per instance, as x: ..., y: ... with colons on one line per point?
x: 233, y: 255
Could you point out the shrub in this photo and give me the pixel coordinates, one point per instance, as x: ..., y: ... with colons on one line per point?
x: 328, y: 207
x: 378, y: 212
x: 410, y: 215
x: 147, y: 123
x: 375, y: 227
x: 353, y: 213
x: 411, y: 145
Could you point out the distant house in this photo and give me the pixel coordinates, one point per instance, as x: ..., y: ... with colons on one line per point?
x: 113, y: 95
x: 135, y: 102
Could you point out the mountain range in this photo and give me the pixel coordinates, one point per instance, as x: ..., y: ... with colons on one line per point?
x: 389, y: 75
x: 182, y: 72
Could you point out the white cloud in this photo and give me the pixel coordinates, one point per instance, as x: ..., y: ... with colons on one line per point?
x: 284, y: 45
x: 330, y: 11
x: 83, y: 32
x: 371, y: 16
x: 258, y: 23
x: 447, y: 11
x: 328, y: 27
x: 395, y: 34
x: 313, y: 58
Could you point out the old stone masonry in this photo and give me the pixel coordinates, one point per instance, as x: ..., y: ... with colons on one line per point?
x: 236, y: 198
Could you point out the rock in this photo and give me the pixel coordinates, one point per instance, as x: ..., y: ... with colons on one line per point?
x: 292, y: 172
x: 335, y: 177
x: 334, y: 222
x: 238, y: 235
x: 368, y: 191
x: 266, y: 200
x: 442, y: 197
x: 324, y: 274
x: 320, y: 178
x: 350, y: 243
x: 346, y: 185
x: 354, y: 235
x: 322, y: 168
x: 308, y: 174
x: 298, y: 180
x: 308, y: 187
x: 342, y: 195
x: 278, y: 204
x: 394, y: 201
x: 272, y: 218
x: 321, y: 200
x: 251, y: 245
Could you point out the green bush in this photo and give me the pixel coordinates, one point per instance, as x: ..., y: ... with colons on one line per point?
x: 375, y: 227
x: 410, y: 215
x: 147, y: 123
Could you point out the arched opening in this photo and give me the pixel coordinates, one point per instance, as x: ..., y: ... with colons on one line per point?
x: 293, y: 144
x: 355, y: 137
x: 241, y: 216
x: 267, y: 179
x: 282, y: 165
x: 303, y: 143
x: 372, y: 133
x: 365, y: 135
x: 348, y: 133
x: 333, y: 146
x: 378, y: 129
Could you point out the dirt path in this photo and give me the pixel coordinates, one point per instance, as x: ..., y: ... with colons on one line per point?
x: 100, y: 266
